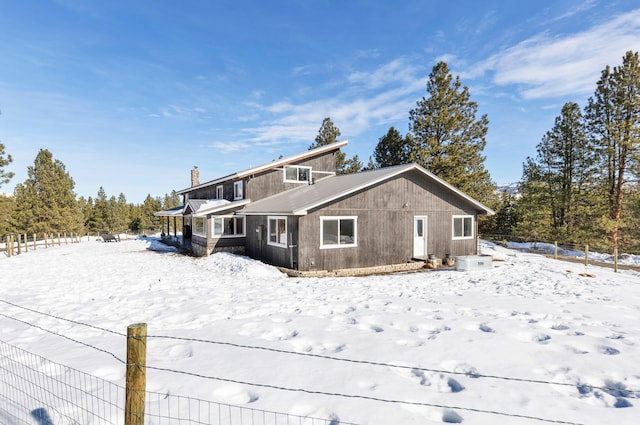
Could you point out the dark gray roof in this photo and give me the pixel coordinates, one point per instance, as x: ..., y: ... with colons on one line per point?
x: 300, y: 200
x: 268, y: 166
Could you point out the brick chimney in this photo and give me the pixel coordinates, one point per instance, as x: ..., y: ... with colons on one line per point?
x: 195, y: 176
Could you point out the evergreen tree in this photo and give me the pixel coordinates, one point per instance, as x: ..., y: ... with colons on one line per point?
x: 45, y: 202
x: 392, y: 149
x: 148, y: 223
x: 613, y: 114
x: 506, y: 217
x: 5, y: 160
x: 329, y: 133
x: 171, y: 200
x: 564, y: 169
x: 120, y: 213
x: 446, y: 137
x: 98, y: 217
x: 6, y: 210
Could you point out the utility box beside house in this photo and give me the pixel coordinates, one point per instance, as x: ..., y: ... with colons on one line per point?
x: 474, y: 262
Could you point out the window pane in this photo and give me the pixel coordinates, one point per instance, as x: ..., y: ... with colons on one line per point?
x: 330, y: 232
x: 217, y: 226
x: 273, y: 234
x: 419, y: 228
x: 291, y: 173
x: 228, y: 226
x: 457, y: 227
x: 347, y: 231
x: 468, y: 229
x: 282, y: 230
x: 303, y: 174
x: 239, y: 226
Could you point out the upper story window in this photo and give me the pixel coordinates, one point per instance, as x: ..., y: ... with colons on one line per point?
x: 296, y: 174
x: 220, y: 192
x: 462, y: 227
x: 238, y: 190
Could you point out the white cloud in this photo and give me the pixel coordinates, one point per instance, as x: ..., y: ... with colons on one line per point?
x: 548, y: 66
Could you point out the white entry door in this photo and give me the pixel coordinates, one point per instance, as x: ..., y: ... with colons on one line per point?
x: 419, y: 236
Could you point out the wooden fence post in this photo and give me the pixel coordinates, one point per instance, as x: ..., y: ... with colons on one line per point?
x: 35, y: 239
x: 586, y: 255
x: 8, y: 239
x: 615, y: 259
x: 26, y: 243
x: 555, y: 250
x: 136, y: 374
x: 19, y: 244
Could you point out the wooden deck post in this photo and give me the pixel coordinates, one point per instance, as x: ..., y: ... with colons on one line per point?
x: 136, y: 374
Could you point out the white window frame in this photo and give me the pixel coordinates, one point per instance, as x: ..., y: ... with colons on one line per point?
x: 238, y: 190
x: 235, y: 219
x: 195, y: 227
x: 298, y: 168
x: 462, y: 218
x: 220, y: 192
x: 339, y: 245
x: 279, y: 242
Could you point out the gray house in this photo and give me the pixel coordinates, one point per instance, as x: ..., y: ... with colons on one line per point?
x: 297, y: 213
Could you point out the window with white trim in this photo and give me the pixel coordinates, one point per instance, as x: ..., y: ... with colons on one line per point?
x: 238, y: 190
x: 200, y: 226
x: 220, y: 192
x: 338, y: 232
x: 277, y: 230
x: 462, y: 227
x: 296, y: 174
x: 230, y: 226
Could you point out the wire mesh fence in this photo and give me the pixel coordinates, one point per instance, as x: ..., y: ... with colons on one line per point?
x: 35, y: 390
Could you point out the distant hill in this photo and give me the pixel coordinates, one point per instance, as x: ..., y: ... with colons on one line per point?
x: 510, y: 188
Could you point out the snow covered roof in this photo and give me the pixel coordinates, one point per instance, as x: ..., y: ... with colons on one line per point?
x: 173, y: 212
x: 202, y: 207
x: 300, y: 200
x: 268, y: 166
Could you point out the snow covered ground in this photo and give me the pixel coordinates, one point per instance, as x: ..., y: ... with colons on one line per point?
x: 456, y: 334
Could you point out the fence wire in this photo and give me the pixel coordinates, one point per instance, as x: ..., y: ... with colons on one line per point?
x: 35, y: 390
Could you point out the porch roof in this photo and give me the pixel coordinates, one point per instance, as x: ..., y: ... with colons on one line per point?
x: 203, y: 207
x: 173, y: 212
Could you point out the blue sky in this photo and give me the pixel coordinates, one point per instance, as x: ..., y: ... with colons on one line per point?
x: 130, y: 95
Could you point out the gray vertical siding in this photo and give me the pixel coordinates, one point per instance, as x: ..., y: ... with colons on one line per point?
x: 385, y: 225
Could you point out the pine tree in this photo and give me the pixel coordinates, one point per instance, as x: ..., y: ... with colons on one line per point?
x: 6, y: 210
x: 564, y: 169
x: 45, y: 202
x: 613, y: 114
x: 446, y: 137
x: 329, y: 133
x: 148, y: 223
x: 5, y: 160
x: 392, y: 149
